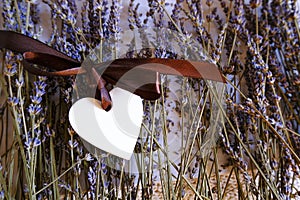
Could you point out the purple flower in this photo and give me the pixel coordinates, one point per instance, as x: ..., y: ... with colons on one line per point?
x: 2, y: 194
x: 11, y: 69
x: 91, y: 176
x: 40, y: 87
x: 32, y: 143
x: 34, y: 109
x: 36, y: 99
x: 19, y: 83
x: 73, y: 144
x: 13, y: 101
x: 88, y: 157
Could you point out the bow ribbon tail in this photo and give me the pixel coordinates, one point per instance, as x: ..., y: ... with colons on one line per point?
x: 106, y: 101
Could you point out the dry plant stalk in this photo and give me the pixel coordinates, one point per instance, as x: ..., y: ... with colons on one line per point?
x: 255, y: 45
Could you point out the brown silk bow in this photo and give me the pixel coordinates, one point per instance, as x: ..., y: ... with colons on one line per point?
x: 137, y: 75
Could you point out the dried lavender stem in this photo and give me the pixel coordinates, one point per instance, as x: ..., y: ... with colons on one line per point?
x: 232, y: 48
x: 18, y: 13
x: 59, y: 177
x: 247, y: 150
x: 265, y: 120
x: 27, y: 14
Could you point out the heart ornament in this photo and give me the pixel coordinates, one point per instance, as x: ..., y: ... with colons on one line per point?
x: 115, y: 131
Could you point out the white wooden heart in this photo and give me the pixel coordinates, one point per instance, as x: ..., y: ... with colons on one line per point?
x: 115, y: 131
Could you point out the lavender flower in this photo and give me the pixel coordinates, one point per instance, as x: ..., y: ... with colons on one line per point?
x: 10, y: 22
x: 13, y: 101
x: 88, y: 157
x: 2, y: 194
x: 11, y: 69
x: 34, y: 109
x: 91, y: 176
x: 73, y: 144
x: 32, y: 142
